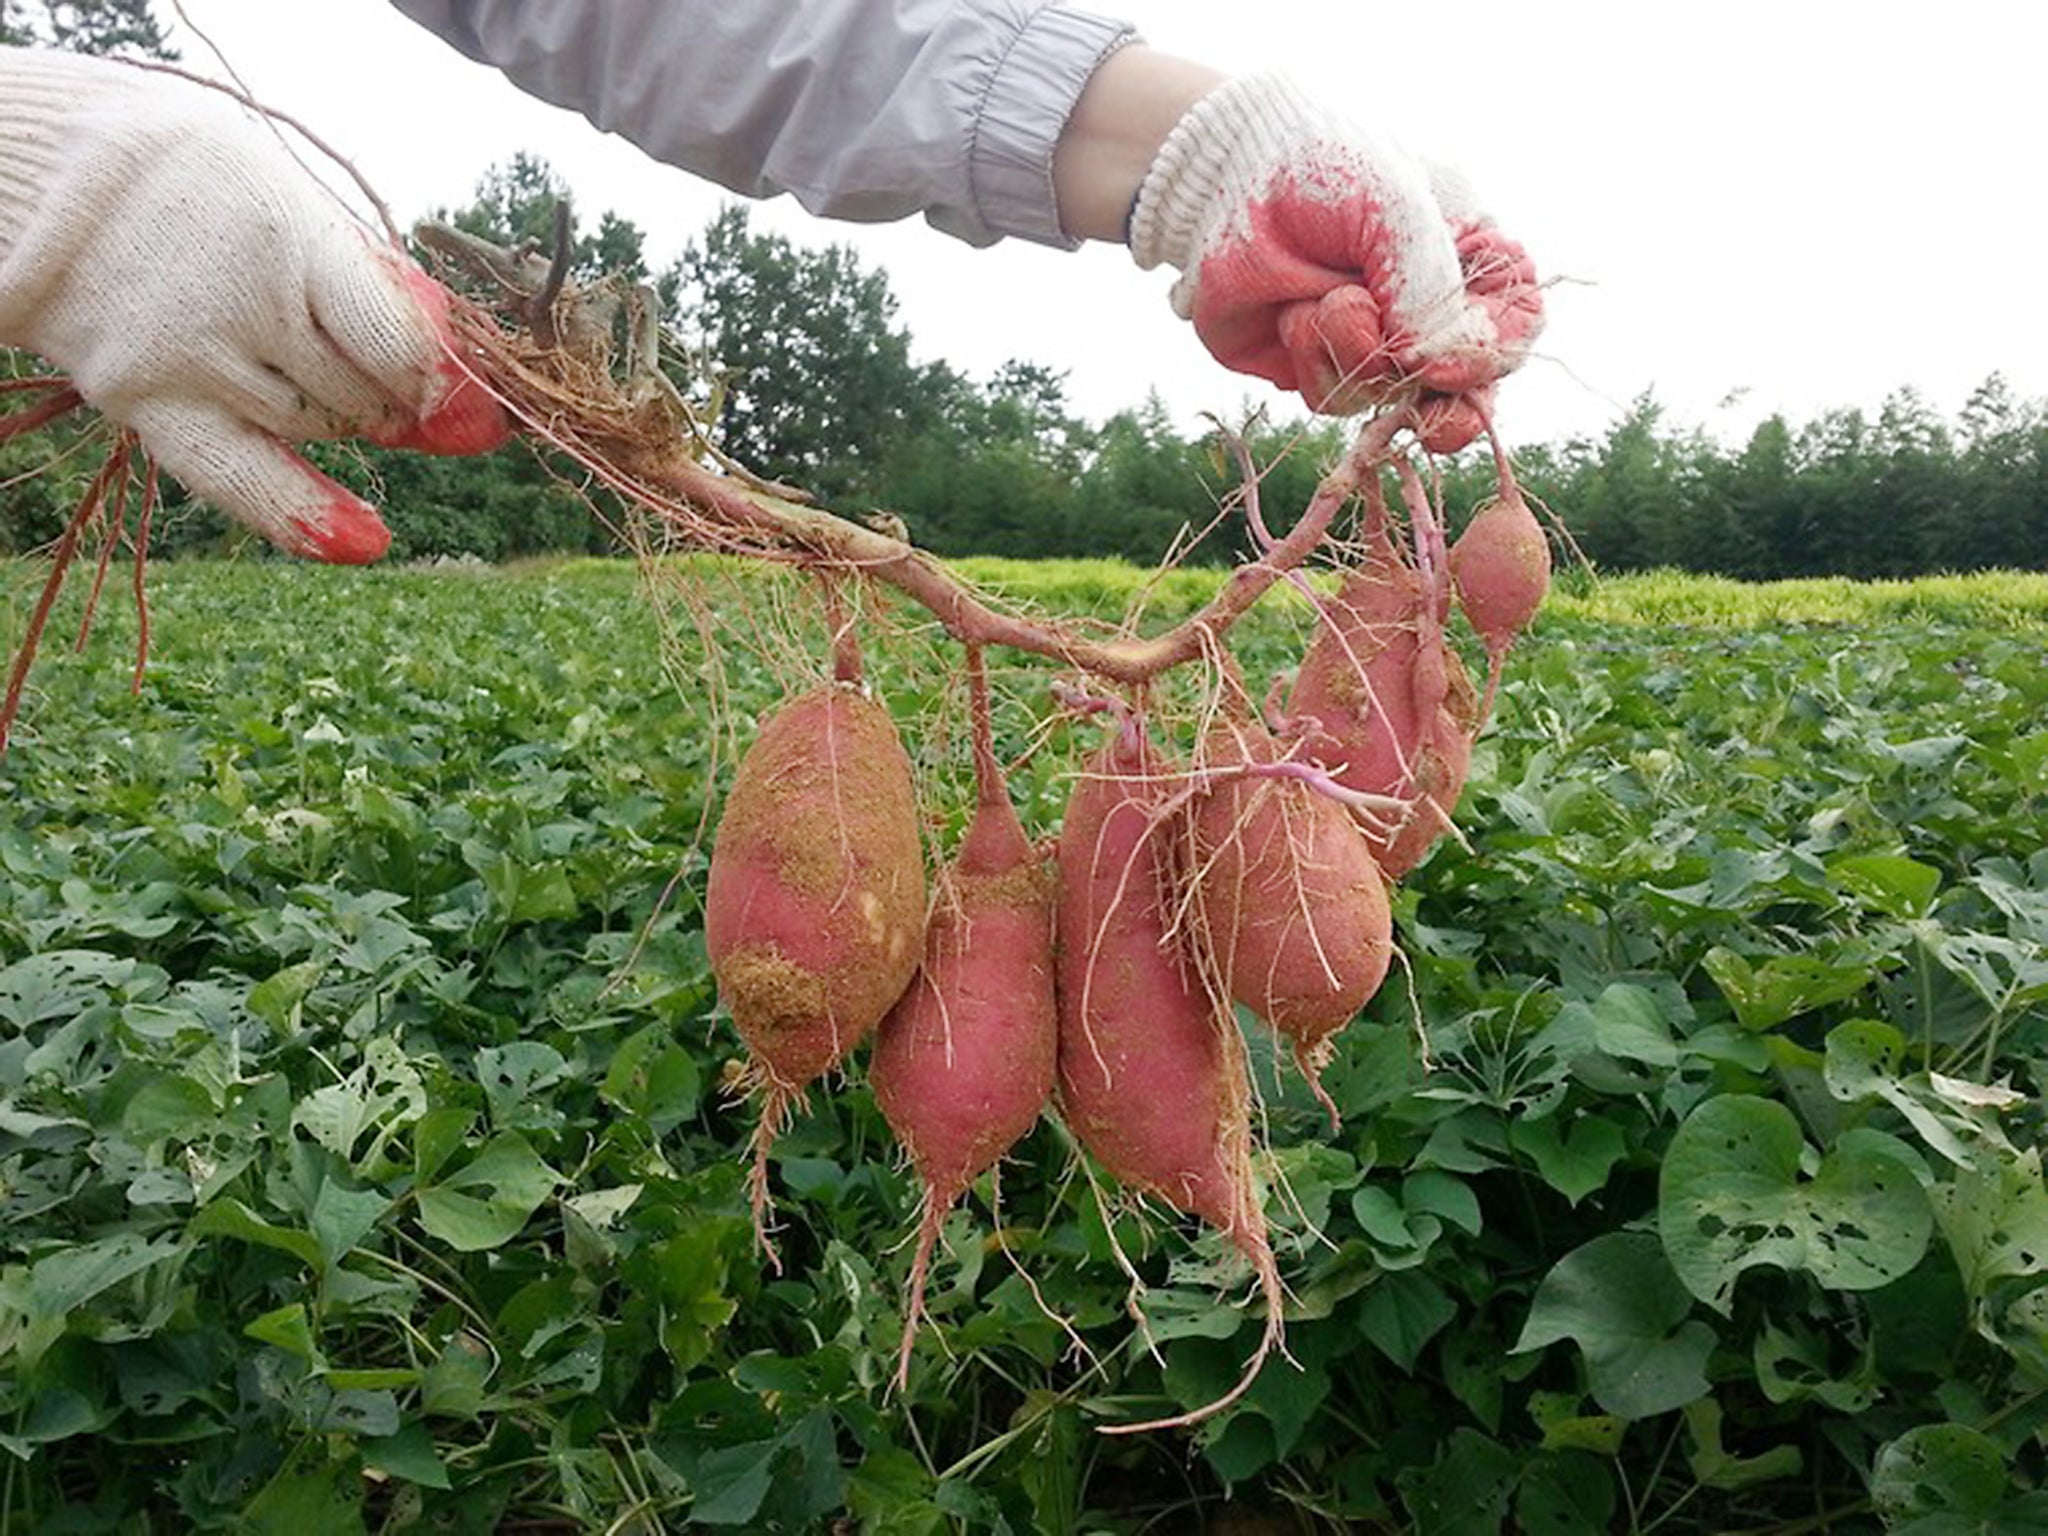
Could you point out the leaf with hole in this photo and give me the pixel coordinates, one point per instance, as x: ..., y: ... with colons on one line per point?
x: 1996, y: 1220
x: 1732, y: 1197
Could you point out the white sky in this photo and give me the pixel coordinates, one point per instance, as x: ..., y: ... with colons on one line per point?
x: 1792, y: 205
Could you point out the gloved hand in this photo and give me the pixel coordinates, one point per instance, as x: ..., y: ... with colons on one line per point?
x: 161, y: 246
x: 1324, y: 259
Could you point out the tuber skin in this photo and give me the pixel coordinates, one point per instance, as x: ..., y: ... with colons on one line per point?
x: 963, y: 1064
x: 1293, y: 906
x: 814, y: 914
x: 1390, y: 705
x: 1152, y: 1074
x: 1501, y: 567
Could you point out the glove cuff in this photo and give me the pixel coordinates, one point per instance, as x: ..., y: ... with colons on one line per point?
x: 1211, y: 164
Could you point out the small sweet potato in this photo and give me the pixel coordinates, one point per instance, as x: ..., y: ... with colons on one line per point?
x: 1500, y: 567
x: 963, y: 1064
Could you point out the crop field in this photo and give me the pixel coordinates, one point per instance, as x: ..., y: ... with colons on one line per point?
x: 371, y: 1159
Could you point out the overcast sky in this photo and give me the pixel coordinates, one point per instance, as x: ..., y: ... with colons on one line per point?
x: 1747, y: 207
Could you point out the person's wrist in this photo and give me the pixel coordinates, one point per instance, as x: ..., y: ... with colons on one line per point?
x: 1130, y: 105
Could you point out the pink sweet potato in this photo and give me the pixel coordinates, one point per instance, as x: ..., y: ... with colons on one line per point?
x: 1500, y: 567
x: 814, y: 915
x: 1392, y: 704
x: 1152, y: 1076
x: 963, y: 1064
x: 1293, y: 905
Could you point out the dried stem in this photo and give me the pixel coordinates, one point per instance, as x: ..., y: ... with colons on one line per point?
x: 640, y: 448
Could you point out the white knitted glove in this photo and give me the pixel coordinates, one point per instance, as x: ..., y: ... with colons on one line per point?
x: 1321, y: 257
x: 160, y: 246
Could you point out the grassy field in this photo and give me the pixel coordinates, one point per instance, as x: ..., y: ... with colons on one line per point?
x: 368, y: 1159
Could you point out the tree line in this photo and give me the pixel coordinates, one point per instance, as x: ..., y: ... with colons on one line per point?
x: 816, y: 383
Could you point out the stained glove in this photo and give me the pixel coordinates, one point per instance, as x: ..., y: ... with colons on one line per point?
x: 160, y: 245
x: 1321, y: 257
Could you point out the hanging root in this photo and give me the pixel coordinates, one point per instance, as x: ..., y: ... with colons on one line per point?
x: 779, y: 1104
x: 105, y: 500
x: 931, y: 1221
x: 58, y: 398
x: 1252, y: 1243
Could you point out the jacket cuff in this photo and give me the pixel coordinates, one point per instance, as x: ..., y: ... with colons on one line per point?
x: 1029, y: 97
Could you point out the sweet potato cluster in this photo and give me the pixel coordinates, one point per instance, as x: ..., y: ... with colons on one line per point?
x: 1097, y: 980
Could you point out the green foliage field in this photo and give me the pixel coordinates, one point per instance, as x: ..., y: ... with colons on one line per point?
x: 366, y: 1160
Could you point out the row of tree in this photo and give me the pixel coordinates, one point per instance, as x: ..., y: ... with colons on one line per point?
x: 818, y: 385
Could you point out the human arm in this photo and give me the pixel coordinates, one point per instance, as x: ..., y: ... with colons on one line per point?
x: 160, y: 246
x: 1312, y: 251
x: 863, y: 110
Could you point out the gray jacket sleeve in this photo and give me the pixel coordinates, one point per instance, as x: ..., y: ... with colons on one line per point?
x: 861, y: 109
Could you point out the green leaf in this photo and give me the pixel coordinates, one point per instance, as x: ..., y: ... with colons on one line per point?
x: 1619, y: 1301
x: 1566, y: 1495
x: 341, y: 1218
x: 1566, y: 1427
x: 328, y: 1500
x: 58, y: 983
x: 671, y: 1088
x: 228, y: 1217
x: 1435, y: 1193
x: 1467, y: 1491
x: 393, y: 1378
x: 1792, y: 1366
x: 1892, y: 883
x: 1731, y: 1197
x: 167, y: 1106
x: 278, y: 999
x: 1629, y: 1025
x: 1576, y: 1160
x: 515, y: 1181
x: 890, y: 1493
x: 408, y: 1454
x: 731, y: 1482
x: 514, y: 1074
x: 66, y: 1280
x: 436, y: 1137
x: 1863, y: 1059
x: 353, y: 1411
x: 1716, y: 1467
x: 1766, y: 994
x: 1995, y: 1220
x: 383, y: 1094
x: 288, y: 1329
x: 1402, y: 1313
x: 454, y: 1384
x: 1938, y: 1469
x: 1624, y: 1023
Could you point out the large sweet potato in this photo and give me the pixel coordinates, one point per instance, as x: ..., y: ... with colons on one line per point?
x: 1152, y: 1076
x: 814, y: 915
x: 1293, y: 905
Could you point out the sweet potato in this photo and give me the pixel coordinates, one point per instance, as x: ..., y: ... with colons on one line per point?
x: 963, y: 1064
x: 1441, y: 762
x: 814, y: 914
x: 1392, y: 704
x: 1500, y: 567
x: 1293, y: 906
x: 1152, y: 1076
